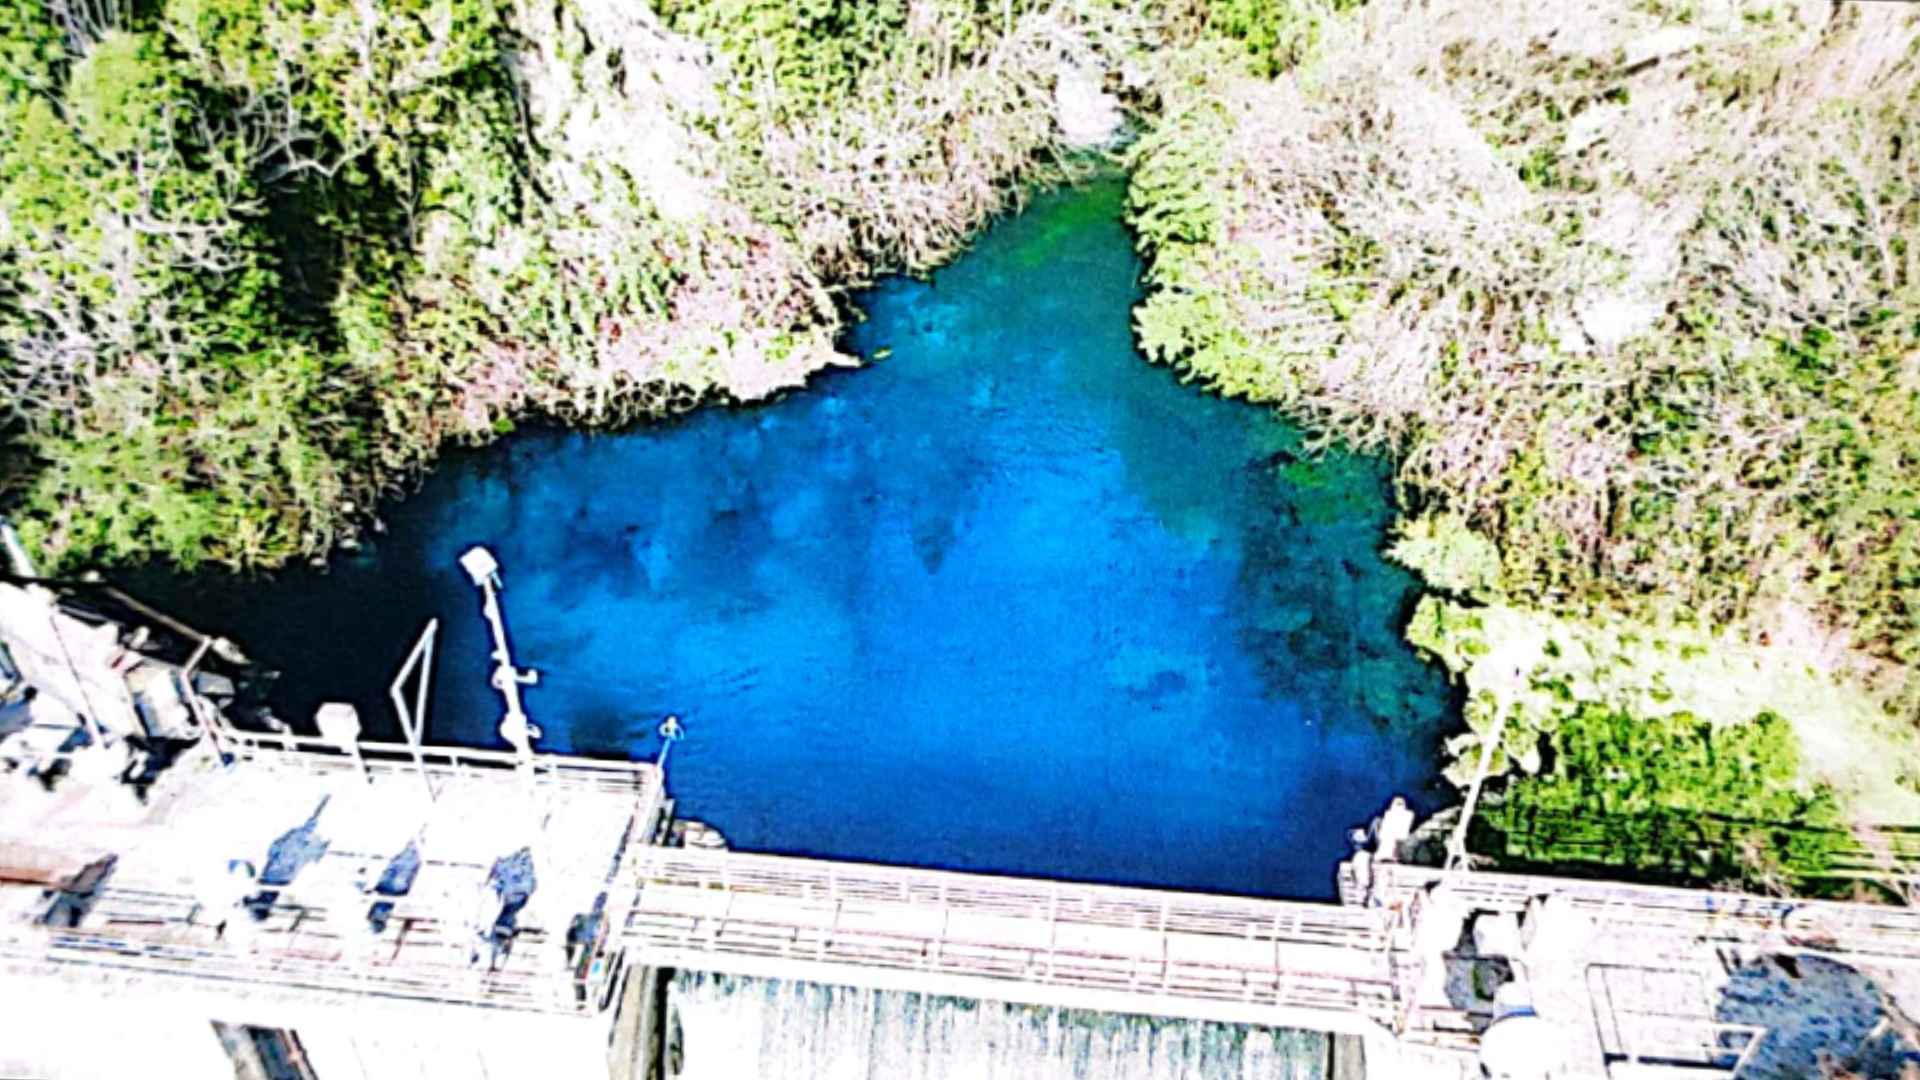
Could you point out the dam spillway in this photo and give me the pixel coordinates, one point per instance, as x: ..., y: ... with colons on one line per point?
x: 721, y: 1027
x: 352, y: 907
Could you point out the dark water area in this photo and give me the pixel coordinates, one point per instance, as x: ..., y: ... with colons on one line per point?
x: 1006, y: 599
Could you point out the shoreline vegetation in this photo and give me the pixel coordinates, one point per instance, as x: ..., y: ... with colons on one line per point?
x: 266, y: 260
x: 1627, y: 295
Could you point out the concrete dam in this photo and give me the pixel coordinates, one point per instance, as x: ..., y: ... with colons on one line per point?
x: 232, y: 899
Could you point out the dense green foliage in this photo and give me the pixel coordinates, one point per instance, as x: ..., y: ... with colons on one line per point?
x: 1671, y: 794
x: 263, y: 260
x: 164, y: 185
x: 1443, y: 278
x: 149, y: 369
x: 1630, y: 296
x: 1276, y: 35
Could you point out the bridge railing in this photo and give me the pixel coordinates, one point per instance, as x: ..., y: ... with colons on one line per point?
x: 313, y: 754
x: 776, y: 916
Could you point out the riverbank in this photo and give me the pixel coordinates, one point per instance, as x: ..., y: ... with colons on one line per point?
x: 342, y: 240
x: 1629, y: 300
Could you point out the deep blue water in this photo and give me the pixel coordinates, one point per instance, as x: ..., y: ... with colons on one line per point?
x: 1006, y: 599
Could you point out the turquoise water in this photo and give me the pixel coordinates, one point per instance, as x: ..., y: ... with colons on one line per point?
x: 1006, y: 599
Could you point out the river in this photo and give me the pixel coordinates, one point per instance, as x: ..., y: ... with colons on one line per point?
x: 1007, y: 598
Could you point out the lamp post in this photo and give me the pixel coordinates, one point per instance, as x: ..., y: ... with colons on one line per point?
x: 670, y: 733
x: 515, y: 728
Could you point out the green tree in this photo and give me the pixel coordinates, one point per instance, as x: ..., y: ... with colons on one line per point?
x: 1671, y: 793
x: 166, y: 408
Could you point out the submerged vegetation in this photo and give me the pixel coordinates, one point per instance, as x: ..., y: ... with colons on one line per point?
x: 1628, y: 293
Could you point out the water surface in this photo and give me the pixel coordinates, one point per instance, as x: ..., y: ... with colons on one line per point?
x: 720, y: 1027
x: 1007, y: 599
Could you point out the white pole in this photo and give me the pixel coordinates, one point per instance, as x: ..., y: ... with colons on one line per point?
x: 17, y: 559
x: 413, y: 721
x: 1457, y: 847
x: 515, y: 728
x: 199, y: 705
x: 670, y: 733
x: 91, y: 721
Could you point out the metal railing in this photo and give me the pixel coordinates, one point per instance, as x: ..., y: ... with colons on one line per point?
x: 148, y: 919
x: 944, y: 932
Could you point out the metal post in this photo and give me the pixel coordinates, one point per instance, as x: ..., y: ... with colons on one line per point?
x: 339, y: 723
x: 17, y: 559
x: 91, y: 721
x: 515, y: 728
x: 413, y: 721
x: 202, y: 710
x: 1457, y: 847
x: 670, y: 733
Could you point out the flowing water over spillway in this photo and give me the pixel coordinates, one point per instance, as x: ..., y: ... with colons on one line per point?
x: 1006, y: 599
x: 722, y: 1028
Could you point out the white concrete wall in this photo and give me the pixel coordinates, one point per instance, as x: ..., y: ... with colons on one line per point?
x: 68, y: 1028
x: 1388, y: 1058
x: 60, y: 1036
x: 459, y: 1049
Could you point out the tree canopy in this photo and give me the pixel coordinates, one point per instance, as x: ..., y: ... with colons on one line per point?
x: 264, y: 259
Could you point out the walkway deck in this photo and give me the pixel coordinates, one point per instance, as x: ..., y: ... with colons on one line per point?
x: 1873, y: 934
x: 1640, y: 984
x: 1633, y: 974
x: 1230, y: 959
x: 313, y: 942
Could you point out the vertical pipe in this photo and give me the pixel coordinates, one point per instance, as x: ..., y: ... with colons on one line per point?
x: 514, y: 727
x: 1457, y: 847
x: 17, y: 559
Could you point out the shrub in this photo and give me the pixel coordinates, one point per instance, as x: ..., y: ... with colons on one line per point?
x: 1673, y: 794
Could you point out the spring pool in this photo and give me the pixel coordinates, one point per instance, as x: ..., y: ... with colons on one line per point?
x: 1007, y: 598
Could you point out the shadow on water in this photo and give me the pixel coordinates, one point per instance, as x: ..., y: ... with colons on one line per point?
x: 1009, y: 599
x: 319, y: 645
